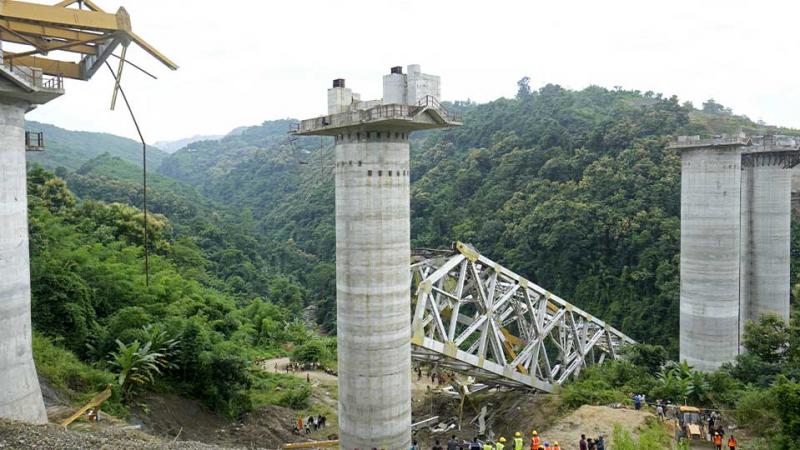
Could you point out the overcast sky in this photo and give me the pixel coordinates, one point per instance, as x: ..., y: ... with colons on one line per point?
x: 246, y: 61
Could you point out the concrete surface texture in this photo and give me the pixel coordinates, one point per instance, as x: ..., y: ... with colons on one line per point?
x: 710, y: 255
x: 20, y: 395
x: 373, y: 252
x: 410, y: 88
x: 373, y: 289
x: 766, y: 219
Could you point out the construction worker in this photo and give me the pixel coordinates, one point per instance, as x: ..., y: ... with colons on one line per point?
x: 717, y: 441
x: 555, y: 446
x: 518, y: 441
x: 535, y: 441
x: 488, y: 445
x: 546, y: 445
x: 501, y: 443
x: 732, y: 443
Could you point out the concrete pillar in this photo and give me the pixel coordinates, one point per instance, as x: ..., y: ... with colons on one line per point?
x: 20, y: 396
x: 710, y: 253
x: 373, y: 289
x: 765, y: 262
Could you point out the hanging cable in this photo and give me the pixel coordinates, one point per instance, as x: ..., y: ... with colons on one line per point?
x: 144, y: 173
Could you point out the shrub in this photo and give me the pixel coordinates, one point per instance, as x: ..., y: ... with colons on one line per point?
x: 73, y: 378
x: 313, y: 351
x: 590, y: 392
x: 295, y: 398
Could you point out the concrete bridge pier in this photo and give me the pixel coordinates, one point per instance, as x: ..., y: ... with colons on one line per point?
x: 20, y: 395
x: 373, y: 250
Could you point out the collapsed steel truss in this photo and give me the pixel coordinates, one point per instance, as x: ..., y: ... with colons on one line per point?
x: 476, y: 317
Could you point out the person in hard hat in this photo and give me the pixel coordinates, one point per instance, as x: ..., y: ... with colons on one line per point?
x: 717, y: 441
x: 535, y: 440
x: 732, y: 443
x: 546, y: 445
x: 555, y: 446
x: 501, y: 443
x: 487, y: 445
x: 518, y: 443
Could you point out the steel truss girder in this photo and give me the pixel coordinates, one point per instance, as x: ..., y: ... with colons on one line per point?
x: 474, y: 316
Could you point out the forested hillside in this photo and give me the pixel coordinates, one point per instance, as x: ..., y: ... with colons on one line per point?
x: 189, y: 331
x: 574, y: 189
x: 71, y: 149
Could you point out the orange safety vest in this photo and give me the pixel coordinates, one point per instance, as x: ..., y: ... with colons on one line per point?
x: 732, y: 442
x: 546, y: 447
x: 555, y: 447
x: 535, y: 443
x: 717, y: 440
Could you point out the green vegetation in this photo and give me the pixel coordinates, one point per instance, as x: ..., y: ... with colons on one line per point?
x: 71, y: 149
x: 89, y: 295
x: 72, y: 377
x: 653, y: 437
x: 759, y: 391
x: 574, y: 189
x: 279, y: 389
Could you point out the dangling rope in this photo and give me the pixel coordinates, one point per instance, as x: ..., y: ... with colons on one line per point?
x: 144, y: 173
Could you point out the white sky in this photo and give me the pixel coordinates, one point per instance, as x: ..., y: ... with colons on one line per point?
x: 246, y: 61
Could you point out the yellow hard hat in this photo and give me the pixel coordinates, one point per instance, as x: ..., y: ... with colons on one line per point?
x: 502, y: 439
x: 535, y: 433
x: 555, y: 443
x: 517, y: 434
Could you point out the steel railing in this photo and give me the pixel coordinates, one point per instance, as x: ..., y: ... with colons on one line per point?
x: 35, y: 78
x: 34, y: 141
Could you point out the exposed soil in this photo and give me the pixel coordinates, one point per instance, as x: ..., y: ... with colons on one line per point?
x: 593, y: 421
x: 171, y: 416
x: 269, y: 365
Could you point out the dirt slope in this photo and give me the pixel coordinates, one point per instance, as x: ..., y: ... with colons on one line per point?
x: 592, y: 421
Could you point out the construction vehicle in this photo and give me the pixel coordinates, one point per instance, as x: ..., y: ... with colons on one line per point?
x: 690, y: 424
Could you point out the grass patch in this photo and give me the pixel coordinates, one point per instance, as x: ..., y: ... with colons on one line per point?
x: 654, y: 435
x: 78, y: 381
x: 279, y: 389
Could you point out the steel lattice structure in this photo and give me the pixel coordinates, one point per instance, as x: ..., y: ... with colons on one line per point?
x: 476, y: 317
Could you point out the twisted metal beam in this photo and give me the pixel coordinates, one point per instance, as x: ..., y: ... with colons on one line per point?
x: 476, y: 317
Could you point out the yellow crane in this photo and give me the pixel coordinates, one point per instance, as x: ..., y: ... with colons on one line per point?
x: 91, y: 33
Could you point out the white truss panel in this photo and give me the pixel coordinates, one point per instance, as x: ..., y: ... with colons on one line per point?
x: 474, y: 316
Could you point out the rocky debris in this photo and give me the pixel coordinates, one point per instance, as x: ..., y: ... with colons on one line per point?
x: 19, y: 436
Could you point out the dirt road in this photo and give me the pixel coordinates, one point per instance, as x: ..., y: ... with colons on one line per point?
x: 281, y: 363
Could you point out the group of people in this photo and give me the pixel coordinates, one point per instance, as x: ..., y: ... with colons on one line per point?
x: 518, y: 443
x: 718, y: 438
x: 309, y: 424
x: 592, y: 444
x: 638, y: 401
x: 437, y: 377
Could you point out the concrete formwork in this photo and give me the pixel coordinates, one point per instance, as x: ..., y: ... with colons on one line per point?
x: 766, y: 232
x: 373, y: 289
x: 20, y: 395
x: 710, y: 255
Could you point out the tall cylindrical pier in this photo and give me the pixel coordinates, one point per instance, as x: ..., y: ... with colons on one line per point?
x: 373, y: 250
x: 373, y: 288
x: 766, y: 245
x: 710, y: 254
x: 20, y: 395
